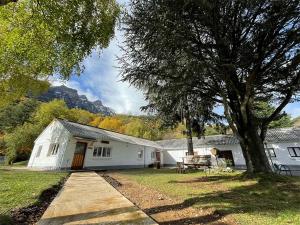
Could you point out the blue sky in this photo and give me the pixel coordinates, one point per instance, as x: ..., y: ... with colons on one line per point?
x: 101, y: 80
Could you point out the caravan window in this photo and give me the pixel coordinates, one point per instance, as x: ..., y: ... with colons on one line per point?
x: 294, y: 151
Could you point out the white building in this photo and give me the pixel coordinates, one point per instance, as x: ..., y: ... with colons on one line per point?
x: 69, y: 145
x: 282, y: 146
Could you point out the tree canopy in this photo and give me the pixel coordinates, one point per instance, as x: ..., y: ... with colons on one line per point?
x: 40, y: 38
x: 237, y: 53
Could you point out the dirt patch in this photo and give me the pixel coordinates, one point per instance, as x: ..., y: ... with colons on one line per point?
x: 163, y: 209
x: 32, y: 214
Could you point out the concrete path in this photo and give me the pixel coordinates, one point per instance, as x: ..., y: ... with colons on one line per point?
x: 87, y: 198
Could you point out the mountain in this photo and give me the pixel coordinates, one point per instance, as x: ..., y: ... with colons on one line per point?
x: 73, y: 100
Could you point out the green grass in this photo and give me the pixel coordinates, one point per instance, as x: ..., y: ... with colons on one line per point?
x: 19, y: 188
x: 264, y: 199
x: 21, y: 163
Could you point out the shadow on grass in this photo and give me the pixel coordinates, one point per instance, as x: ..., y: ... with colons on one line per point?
x: 32, y: 213
x: 210, y: 178
x: 270, y: 195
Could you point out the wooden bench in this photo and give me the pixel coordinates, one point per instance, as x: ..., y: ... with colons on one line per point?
x: 195, y: 162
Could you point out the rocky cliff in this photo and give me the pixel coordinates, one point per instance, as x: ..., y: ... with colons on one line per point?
x: 74, y: 100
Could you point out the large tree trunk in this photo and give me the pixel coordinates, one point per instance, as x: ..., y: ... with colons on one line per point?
x: 247, y: 129
x: 189, y: 133
x: 252, y: 144
x: 254, y: 152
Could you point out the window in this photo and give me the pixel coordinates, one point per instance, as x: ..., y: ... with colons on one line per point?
x: 294, y: 151
x: 102, y: 152
x: 95, y: 152
x: 153, y: 155
x: 38, y: 153
x: 271, y: 152
x: 53, y: 149
x: 140, y: 154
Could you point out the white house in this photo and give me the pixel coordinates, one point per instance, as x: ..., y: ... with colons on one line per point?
x: 282, y: 146
x: 69, y: 145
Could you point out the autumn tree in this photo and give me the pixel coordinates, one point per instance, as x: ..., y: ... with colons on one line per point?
x: 112, y: 123
x: 240, y: 52
x: 41, y: 38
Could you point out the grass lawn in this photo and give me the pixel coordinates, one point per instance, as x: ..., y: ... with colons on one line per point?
x: 20, y: 188
x: 260, y: 200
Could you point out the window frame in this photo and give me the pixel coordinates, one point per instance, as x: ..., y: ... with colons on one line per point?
x: 53, y: 149
x: 153, y: 155
x: 39, y: 151
x: 141, y: 154
x: 100, y: 152
x: 295, y: 155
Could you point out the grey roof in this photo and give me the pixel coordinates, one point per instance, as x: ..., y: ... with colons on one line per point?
x: 93, y: 133
x: 273, y: 136
x: 89, y: 132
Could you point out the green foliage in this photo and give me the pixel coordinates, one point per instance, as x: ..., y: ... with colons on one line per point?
x: 263, y: 110
x: 46, y: 112
x: 16, y: 114
x: 230, y: 53
x: 211, y: 130
x: 42, y: 38
x: 20, y: 141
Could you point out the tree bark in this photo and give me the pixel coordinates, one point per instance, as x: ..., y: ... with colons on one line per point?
x: 189, y: 133
x: 254, y: 151
x: 247, y: 131
x: 251, y: 142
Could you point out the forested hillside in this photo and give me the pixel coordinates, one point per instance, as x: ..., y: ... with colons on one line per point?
x: 22, y: 121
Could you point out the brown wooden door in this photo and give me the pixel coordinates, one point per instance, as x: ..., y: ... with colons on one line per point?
x: 157, y: 156
x: 79, y: 154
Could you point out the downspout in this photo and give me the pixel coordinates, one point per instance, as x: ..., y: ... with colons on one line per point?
x: 144, y: 156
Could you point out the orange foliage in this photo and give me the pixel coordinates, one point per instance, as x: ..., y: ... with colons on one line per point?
x: 112, y: 123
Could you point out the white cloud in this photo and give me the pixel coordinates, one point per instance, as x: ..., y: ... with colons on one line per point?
x: 101, y: 80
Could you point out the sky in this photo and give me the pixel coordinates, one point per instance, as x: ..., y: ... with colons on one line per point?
x: 101, y: 80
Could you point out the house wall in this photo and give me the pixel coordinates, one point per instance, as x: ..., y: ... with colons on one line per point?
x: 172, y: 156
x: 54, y: 133
x: 123, y: 155
x: 282, y: 154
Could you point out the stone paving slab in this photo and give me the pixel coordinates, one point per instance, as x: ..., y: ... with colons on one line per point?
x: 86, y: 198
